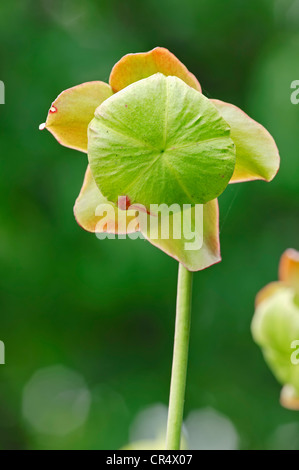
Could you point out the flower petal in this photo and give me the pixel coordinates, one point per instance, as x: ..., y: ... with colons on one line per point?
x: 95, y: 213
x: 289, y: 268
x: 72, y: 111
x: 257, y: 156
x: 289, y: 398
x: 275, y: 328
x: 134, y: 67
x: 196, y: 259
x: 267, y: 291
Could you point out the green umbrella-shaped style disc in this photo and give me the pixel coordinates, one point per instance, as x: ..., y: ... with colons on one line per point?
x: 159, y: 141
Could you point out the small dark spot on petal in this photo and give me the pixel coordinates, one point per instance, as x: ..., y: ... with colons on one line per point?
x: 124, y: 202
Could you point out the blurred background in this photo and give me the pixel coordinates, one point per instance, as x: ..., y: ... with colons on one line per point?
x: 88, y: 324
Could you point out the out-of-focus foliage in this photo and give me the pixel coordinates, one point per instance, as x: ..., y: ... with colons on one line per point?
x: 104, y: 309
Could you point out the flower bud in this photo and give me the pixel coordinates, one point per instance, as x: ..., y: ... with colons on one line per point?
x: 275, y: 328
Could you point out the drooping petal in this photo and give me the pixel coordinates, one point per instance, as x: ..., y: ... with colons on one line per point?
x: 199, y: 246
x: 289, y: 268
x: 72, y: 111
x: 134, y: 67
x: 257, y: 156
x: 289, y: 397
x: 95, y: 213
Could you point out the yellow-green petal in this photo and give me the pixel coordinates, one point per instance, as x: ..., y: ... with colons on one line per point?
x: 90, y: 214
x: 197, y: 259
x: 257, y: 156
x: 289, y: 268
x: 268, y: 291
x: 95, y: 213
x: 134, y: 67
x: 72, y: 111
x: 289, y: 397
x: 275, y: 328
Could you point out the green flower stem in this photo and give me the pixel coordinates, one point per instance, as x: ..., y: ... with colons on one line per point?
x: 180, y: 360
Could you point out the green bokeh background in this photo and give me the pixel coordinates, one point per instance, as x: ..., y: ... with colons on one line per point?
x: 105, y: 309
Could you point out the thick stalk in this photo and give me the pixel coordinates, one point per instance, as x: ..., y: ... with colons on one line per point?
x: 180, y: 360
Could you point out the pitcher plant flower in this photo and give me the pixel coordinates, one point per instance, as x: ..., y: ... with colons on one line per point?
x: 275, y: 327
x: 153, y: 139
